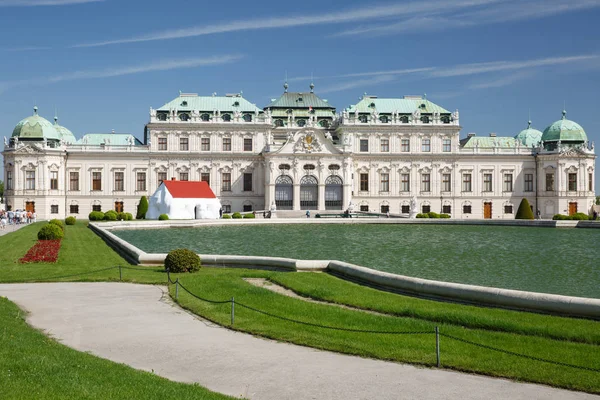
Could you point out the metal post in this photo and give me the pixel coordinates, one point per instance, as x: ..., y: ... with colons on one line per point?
x: 177, y: 289
x: 168, y: 277
x: 232, y: 310
x: 437, y: 345
x: 120, y: 273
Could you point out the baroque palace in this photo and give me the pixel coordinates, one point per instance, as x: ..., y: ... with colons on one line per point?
x: 299, y: 154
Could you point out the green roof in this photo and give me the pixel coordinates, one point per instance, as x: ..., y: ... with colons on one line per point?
x: 112, y: 139
x: 529, y: 137
x: 299, y: 100
x: 36, y: 127
x: 489, y: 142
x: 564, y: 130
x: 65, y: 134
x: 229, y: 103
x: 406, y: 105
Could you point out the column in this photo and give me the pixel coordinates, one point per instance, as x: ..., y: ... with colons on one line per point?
x: 296, y: 188
x: 321, y: 203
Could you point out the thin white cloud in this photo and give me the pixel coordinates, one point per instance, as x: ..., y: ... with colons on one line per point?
x: 362, y: 83
x: 502, y: 81
x: 358, y: 14
x: 32, y: 3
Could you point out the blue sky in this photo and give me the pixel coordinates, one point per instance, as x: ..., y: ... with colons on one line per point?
x: 104, y: 63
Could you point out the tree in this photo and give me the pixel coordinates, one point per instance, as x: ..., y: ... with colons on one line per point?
x: 524, y: 211
x: 142, y: 208
x: 2, y: 190
x: 597, y: 197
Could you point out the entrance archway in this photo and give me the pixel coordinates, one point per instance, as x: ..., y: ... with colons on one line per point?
x: 284, y: 193
x: 334, y: 194
x: 309, y: 193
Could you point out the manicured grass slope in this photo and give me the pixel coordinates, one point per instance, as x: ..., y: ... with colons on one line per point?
x: 32, y: 366
x: 221, y: 284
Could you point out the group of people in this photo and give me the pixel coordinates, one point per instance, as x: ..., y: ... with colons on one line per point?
x: 16, y: 217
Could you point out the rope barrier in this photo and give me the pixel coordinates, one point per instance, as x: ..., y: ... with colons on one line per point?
x: 203, y: 299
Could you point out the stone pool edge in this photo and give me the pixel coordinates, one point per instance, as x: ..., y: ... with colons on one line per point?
x: 570, y: 306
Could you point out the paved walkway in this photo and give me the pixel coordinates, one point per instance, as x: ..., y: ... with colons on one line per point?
x: 11, y: 228
x: 137, y: 325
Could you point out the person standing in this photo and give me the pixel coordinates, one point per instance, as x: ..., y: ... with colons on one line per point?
x: 307, y: 213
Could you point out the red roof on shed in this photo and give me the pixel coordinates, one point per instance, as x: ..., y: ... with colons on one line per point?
x: 189, y: 189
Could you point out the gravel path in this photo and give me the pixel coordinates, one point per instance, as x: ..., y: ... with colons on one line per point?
x: 139, y: 326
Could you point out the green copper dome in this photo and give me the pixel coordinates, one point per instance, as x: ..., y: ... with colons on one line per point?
x: 529, y: 137
x: 35, y: 128
x: 65, y: 134
x: 564, y: 130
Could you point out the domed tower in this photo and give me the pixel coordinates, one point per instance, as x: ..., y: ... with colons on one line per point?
x: 65, y: 134
x: 529, y: 137
x: 35, y: 129
x: 564, y: 132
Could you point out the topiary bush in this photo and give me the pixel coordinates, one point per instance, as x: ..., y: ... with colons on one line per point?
x: 444, y: 215
x: 110, y: 215
x: 524, y: 211
x: 50, y: 232
x: 226, y: 216
x: 236, y: 215
x: 422, y: 215
x: 182, y: 260
x: 128, y: 217
x: 121, y: 216
x: 163, y: 217
x: 96, y: 216
x: 70, y: 220
x: 559, y: 217
x: 580, y: 217
x: 58, y: 223
x: 142, y: 208
x: 250, y: 215
x: 433, y: 214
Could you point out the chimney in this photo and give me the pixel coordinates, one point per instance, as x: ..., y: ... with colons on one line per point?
x: 470, y: 135
x: 492, y: 134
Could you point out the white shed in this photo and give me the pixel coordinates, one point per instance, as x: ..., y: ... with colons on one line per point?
x: 184, y: 200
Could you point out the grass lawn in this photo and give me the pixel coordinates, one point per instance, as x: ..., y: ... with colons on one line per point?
x: 566, y: 340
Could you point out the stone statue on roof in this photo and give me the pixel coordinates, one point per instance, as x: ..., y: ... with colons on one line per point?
x: 5, y: 141
x: 416, y: 115
x: 152, y: 112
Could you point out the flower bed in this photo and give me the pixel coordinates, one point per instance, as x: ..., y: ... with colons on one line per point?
x: 42, y: 251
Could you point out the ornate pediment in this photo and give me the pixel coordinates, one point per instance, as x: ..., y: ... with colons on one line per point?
x: 307, y: 143
x: 572, y: 151
x: 29, y: 149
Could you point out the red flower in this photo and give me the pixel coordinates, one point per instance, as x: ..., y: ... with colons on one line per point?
x: 42, y: 251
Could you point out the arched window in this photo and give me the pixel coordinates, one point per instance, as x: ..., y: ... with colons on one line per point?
x: 279, y: 123
x: 161, y: 116
x: 309, y: 193
x: 445, y: 119
x: 324, y: 123
x: 226, y: 117
x: 363, y: 118
x: 384, y: 119
x: 301, y: 122
x: 425, y: 119
x: 205, y: 117
x: 284, y: 192
x: 248, y: 117
x: 184, y: 117
x: 404, y: 119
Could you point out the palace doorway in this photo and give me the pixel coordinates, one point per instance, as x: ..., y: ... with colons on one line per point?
x: 572, y: 208
x: 309, y: 193
x: 30, y: 206
x: 487, y: 210
x: 334, y: 195
x: 284, y: 193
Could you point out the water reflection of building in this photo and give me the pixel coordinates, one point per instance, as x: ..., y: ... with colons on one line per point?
x: 299, y: 153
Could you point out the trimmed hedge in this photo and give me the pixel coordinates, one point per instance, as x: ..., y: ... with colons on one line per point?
x: 70, y: 220
x: 163, y: 217
x: 236, y: 215
x: 110, y: 215
x: 423, y: 215
x: 58, y: 223
x: 128, y: 217
x: 574, y: 217
x: 182, y: 260
x: 444, y: 215
x: 524, y: 211
x: 96, y: 216
x: 226, y: 216
x: 250, y: 215
x: 142, y: 208
x: 121, y: 216
x: 50, y: 232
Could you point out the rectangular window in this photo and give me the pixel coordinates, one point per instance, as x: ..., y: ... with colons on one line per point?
x: 508, y: 209
x: 119, y: 184
x: 226, y: 182
x: 73, y: 181
x: 9, y: 180
x: 384, y: 183
x: 446, y: 145
x: 447, y: 209
x: 405, y: 209
x: 205, y: 177
x: 96, y: 180
x: 405, y: 183
x: 364, y: 208
x: 466, y: 209
x: 549, y: 182
x: 30, y: 180
x: 507, y: 185
x: 247, y: 208
x: 96, y: 207
x: 572, y: 182
x: 184, y: 144
x: 528, y: 183
x: 446, y: 183
x: 226, y: 208
x: 385, y: 145
x: 425, y: 182
x: 364, y: 182
x: 591, y: 182
x: 226, y: 144
x: 53, y: 180
x: 74, y: 209
x: 248, y: 144
x: 405, y: 145
x: 247, y: 182
x: 162, y: 143
x: 140, y: 184
x: 385, y: 209
x: 205, y: 144
x: 425, y: 209
x: 466, y: 186
x: 487, y: 182
x: 364, y: 145
x: 184, y: 176
x: 54, y: 209
x: 426, y: 145
x: 162, y: 176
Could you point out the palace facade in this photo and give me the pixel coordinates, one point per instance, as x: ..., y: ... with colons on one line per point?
x: 300, y: 154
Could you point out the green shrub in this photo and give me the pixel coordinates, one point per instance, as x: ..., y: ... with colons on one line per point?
x: 422, y: 215
x: 96, y: 216
x: 110, y: 215
x: 121, y: 216
x: 70, y: 220
x: 236, y: 215
x: 524, y: 211
x: 318, y: 216
x: 182, y: 260
x: 580, y: 216
x: 50, y: 232
x: 163, y: 217
x: 226, y: 216
x: 559, y: 217
x: 58, y: 223
x: 444, y: 215
x: 249, y: 215
x: 433, y: 214
x: 142, y: 208
x: 128, y: 217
